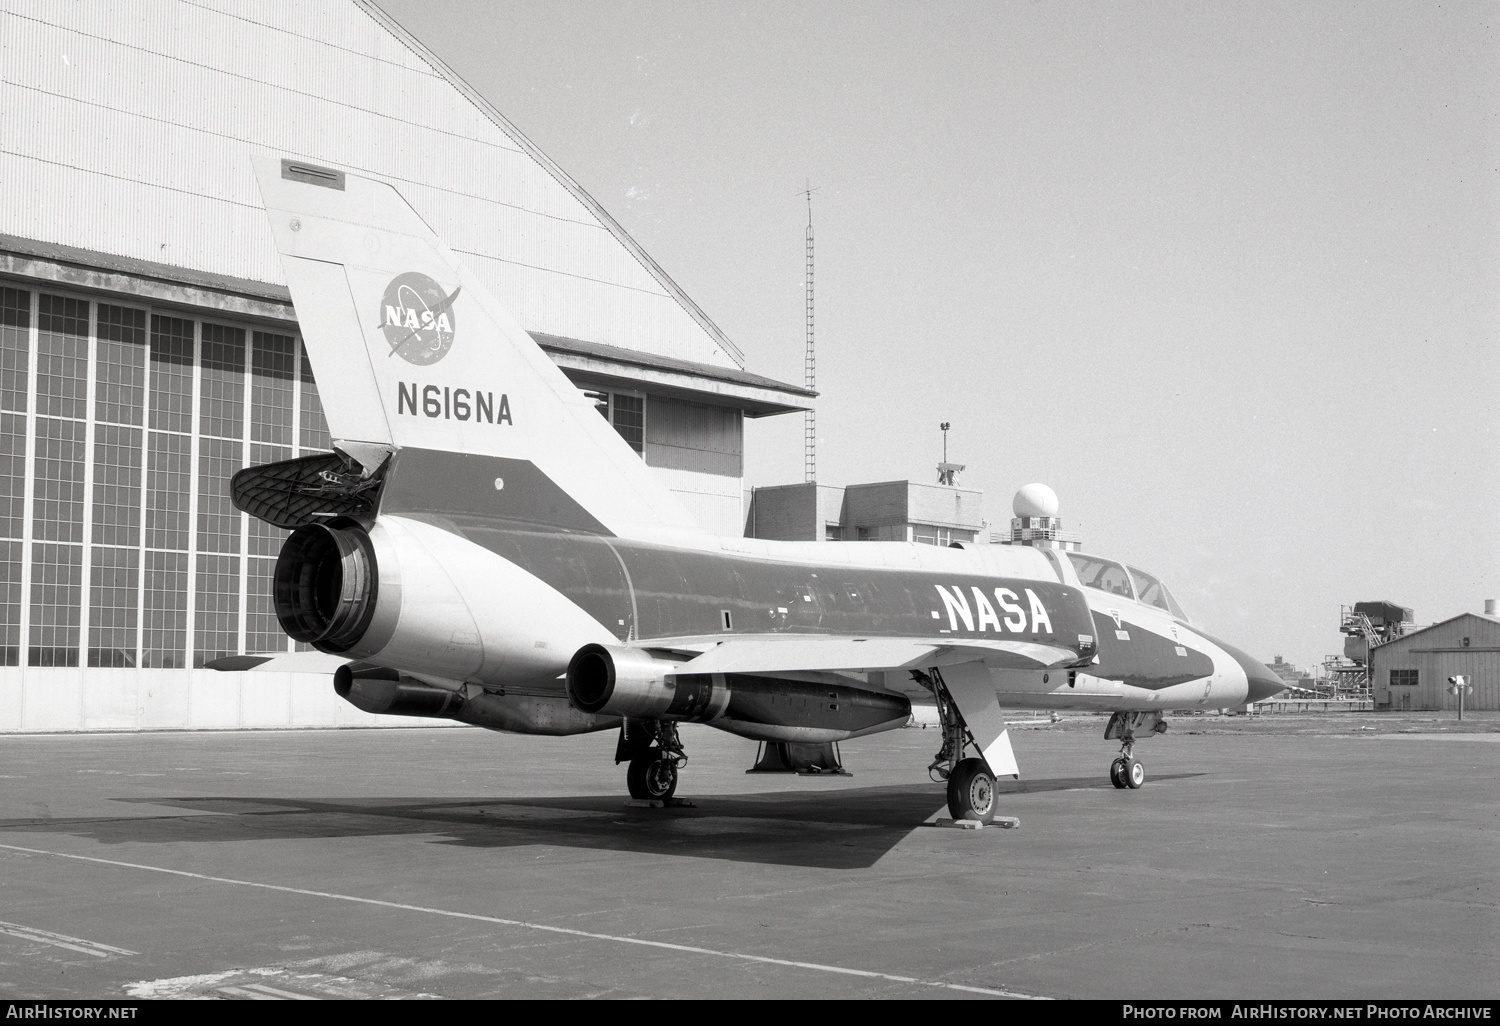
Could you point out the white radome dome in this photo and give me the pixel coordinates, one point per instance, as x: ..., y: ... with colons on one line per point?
x: 1035, y: 500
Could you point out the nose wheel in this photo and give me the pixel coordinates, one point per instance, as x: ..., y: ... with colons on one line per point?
x: 1127, y: 772
x: 1130, y: 727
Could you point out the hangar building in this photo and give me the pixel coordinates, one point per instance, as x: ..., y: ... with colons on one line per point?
x: 1412, y: 671
x: 148, y: 347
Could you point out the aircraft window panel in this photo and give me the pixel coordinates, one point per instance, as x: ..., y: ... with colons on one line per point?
x: 1101, y: 574
x: 1149, y: 589
x: 1172, y: 605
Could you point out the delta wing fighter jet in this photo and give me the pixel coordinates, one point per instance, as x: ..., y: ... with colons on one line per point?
x: 482, y: 545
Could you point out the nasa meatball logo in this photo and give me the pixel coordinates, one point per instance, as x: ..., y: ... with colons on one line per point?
x: 417, y: 318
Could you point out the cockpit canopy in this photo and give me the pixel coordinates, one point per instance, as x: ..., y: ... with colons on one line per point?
x: 1118, y: 579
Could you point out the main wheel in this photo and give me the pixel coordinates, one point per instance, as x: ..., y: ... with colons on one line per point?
x: 1135, y: 773
x: 971, y: 791
x: 1117, y: 773
x: 651, y: 777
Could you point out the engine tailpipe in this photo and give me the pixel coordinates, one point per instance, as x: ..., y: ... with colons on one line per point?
x: 615, y: 681
x: 377, y: 689
x: 325, y: 585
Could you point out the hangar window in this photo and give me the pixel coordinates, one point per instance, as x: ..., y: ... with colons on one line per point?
x: 171, y: 374
x: 1403, y: 678
x: 60, y: 458
x: 120, y: 391
x: 222, y: 385
x: 56, y: 587
x: 15, y: 355
x: 216, y: 625
x: 164, y: 630
x: 117, y: 485
x: 272, y: 369
x: 12, y: 476
x: 10, y: 603
x: 313, y: 433
x: 113, y: 603
x: 262, y: 630
x: 167, y: 478
x: 15, y: 344
x: 626, y: 412
x: 62, y: 365
x: 1101, y: 574
x: 221, y: 426
x: 628, y: 415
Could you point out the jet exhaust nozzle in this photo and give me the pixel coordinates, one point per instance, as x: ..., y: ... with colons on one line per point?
x: 377, y: 689
x: 627, y: 682
x: 325, y: 585
x: 616, y: 681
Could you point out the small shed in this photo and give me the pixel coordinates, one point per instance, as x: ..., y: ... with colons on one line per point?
x: 1412, y: 671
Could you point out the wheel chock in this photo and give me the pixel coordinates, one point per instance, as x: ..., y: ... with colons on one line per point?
x: 1003, y: 822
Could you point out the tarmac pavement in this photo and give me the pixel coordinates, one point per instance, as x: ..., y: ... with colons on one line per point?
x: 1311, y: 857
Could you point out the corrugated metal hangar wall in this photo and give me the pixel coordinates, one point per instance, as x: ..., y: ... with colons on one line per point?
x: 148, y: 348
x: 1411, y: 672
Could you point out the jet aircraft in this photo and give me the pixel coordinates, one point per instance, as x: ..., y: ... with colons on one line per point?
x: 481, y: 545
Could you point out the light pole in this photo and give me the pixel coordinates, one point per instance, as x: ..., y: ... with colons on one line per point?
x: 1459, y: 685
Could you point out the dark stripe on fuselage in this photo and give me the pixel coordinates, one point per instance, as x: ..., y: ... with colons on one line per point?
x: 685, y: 593
x: 1147, y: 660
x: 421, y: 481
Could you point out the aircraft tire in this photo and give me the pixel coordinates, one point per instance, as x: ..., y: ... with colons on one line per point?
x: 1117, y: 774
x: 1135, y: 774
x: 971, y: 791
x: 650, y: 777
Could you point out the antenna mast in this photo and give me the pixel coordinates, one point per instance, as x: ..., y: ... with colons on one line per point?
x: 810, y: 418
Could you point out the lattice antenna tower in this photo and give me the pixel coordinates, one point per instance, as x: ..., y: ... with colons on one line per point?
x: 809, y: 366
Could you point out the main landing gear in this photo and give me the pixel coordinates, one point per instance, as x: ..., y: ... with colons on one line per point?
x: 1128, y: 727
x: 971, y: 785
x: 654, y: 753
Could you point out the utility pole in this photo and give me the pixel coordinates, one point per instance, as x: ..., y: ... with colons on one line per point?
x: 810, y: 418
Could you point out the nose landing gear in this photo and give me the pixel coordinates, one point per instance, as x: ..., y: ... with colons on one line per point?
x: 1128, y: 727
x: 1127, y: 771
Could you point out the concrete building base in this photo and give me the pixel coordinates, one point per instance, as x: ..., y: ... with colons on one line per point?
x: 70, y: 699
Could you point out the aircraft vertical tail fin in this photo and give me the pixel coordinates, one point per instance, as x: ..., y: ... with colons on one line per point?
x: 412, y: 355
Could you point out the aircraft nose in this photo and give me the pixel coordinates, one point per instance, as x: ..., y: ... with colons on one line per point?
x: 1259, y: 680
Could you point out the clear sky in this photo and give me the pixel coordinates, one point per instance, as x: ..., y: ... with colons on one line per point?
x: 1225, y: 276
